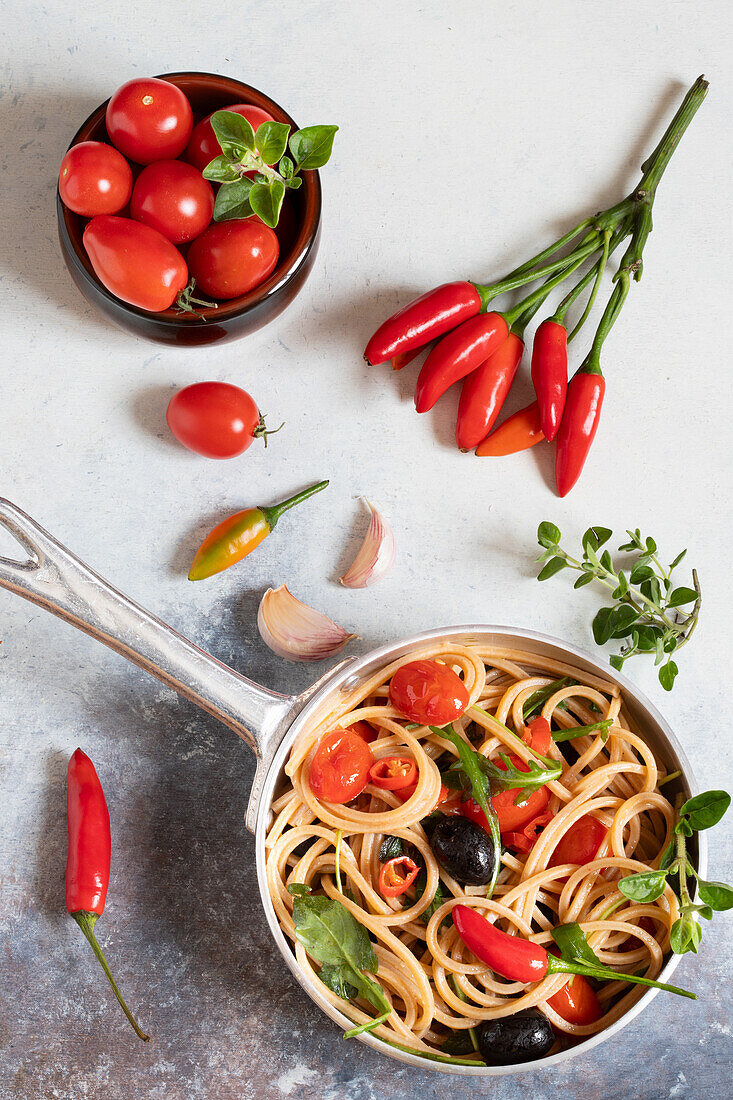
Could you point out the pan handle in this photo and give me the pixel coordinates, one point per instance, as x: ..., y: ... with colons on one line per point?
x: 56, y: 579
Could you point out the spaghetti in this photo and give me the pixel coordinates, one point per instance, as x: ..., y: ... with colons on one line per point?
x: 434, y: 985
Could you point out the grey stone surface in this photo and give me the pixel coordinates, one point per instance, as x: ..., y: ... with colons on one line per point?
x: 549, y: 108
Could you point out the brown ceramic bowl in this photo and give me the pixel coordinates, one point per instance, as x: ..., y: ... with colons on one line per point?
x: 299, y: 233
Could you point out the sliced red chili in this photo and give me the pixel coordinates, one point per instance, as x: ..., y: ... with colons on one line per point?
x: 397, y: 875
x: 394, y: 773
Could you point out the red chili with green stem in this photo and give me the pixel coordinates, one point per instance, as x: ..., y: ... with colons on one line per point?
x: 521, y: 960
x: 88, y: 861
x: 441, y: 310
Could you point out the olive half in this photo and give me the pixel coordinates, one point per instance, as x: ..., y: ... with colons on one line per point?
x: 513, y: 1039
x: 464, y: 850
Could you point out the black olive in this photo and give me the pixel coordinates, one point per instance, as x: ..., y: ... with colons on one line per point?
x: 464, y: 850
x: 512, y: 1039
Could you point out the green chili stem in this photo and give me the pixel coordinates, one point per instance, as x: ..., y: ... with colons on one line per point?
x: 606, y: 974
x: 86, y: 922
x: 272, y: 515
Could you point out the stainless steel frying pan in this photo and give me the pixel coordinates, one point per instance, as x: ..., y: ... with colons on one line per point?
x: 54, y: 578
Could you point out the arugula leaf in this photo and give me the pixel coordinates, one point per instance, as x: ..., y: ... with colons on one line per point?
x: 390, y: 848
x: 580, y: 731
x: 538, y: 698
x: 333, y: 937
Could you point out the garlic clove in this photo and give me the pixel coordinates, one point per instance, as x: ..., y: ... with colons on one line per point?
x: 296, y: 631
x: 376, y: 555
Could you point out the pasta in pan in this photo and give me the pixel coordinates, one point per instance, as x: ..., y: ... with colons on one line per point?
x: 437, y: 990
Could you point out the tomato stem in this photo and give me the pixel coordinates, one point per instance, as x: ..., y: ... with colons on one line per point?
x: 185, y: 301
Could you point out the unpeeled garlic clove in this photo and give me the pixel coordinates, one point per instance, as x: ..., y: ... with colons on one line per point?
x: 296, y: 631
x: 376, y: 555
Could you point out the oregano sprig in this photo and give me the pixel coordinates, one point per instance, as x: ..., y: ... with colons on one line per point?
x: 254, y: 168
x: 649, y: 612
x: 698, y: 813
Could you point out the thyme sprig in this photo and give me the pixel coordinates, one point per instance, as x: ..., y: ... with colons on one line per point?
x: 648, y: 611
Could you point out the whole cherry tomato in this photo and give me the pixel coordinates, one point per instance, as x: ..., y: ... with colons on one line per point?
x: 135, y: 262
x: 214, y: 419
x: 173, y: 198
x: 580, y: 843
x: 203, y: 146
x: 576, y: 1002
x: 149, y: 119
x: 94, y: 179
x: 232, y: 258
x: 339, y: 770
x: 428, y: 693
x: 394, y: 773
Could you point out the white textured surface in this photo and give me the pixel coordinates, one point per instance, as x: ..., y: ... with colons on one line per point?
x: 469, y: 133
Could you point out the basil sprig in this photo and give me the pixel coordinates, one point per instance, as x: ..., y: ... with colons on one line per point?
x: 334, y: 938
x: 581, y: 731
x: 244, y: 151
x: 578, y: 957
x: 647, y: 609
x: 698, y: 813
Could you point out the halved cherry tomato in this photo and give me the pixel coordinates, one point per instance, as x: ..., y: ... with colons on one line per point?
x: 214, y: 419
x: 134, y: 262
x: 511, y: 818
x: 149, y: 119
x: 428, y: 692
x: 339, y: 770
x: 232, y: 258
x: 203, y: 145
x: 540, y: 735
x: 523, y: 841
x: 394, y: 773
x: 397, y: 875
x: 173, y: 198
x: 94, y: 179
x: 576, y: 1002
x: 580, y: 843
x: 364, y: 730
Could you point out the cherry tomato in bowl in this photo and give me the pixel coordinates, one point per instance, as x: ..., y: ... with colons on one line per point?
x: 339, y: 770
x: 173, y: 198
x: 149, y: 119
x: 428, y: 692
x: 232, y: 258
x: 203, y: 145
x: 135, y: 262
x: 215, y: 419
x: 577, y: 1002
x: 94, y: 179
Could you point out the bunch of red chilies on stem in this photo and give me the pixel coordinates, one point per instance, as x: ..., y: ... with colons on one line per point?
x: 484, y: 347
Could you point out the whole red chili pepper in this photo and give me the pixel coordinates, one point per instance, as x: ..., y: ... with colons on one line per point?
x: 550, y: 374
x: 517, y: 433
x: 88, y: 862
x: 484, y: 392
x: 422, y: 320
x: 522, y: 960
x: 457, y: 354
x: 578, y: 425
